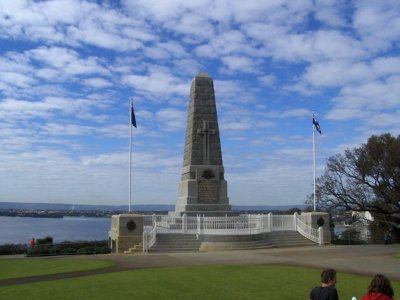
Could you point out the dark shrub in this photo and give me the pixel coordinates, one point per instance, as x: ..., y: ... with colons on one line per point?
x: 9, y: 249
x: 105, y: 250
x: 46, y: 247
x: 46, y: 241
x: 68, y: 251
x: 86, y: 250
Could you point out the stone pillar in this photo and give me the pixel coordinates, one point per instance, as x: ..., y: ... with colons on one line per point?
x: 203, y: 188
x: 126, y: 232
x: 312, y: 219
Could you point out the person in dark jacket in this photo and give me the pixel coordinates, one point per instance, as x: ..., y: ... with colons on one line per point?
x: 327, y: 290
x: 379, y: 289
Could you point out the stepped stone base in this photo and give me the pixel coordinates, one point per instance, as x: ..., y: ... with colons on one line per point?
x: 176, y: 243
x: 190, y: 242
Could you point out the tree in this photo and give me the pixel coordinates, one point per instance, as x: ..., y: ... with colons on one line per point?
x: 365, y: 179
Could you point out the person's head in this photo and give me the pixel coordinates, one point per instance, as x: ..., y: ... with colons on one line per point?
x: 328, y: 277
x: 380, y: 284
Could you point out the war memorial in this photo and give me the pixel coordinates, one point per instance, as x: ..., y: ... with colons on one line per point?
x: 203, y: 219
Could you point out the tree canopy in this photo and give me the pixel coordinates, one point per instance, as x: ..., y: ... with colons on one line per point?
x: 365, y: 179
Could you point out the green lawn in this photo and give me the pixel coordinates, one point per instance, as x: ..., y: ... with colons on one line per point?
x: 15, y: 268
x: 199, y: 282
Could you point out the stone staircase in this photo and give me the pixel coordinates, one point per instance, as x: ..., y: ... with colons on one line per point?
x: 288, y: 239
x: 176, y: 243
x: 135, y: 249
x: 245, y: 245
x: 190, y: 243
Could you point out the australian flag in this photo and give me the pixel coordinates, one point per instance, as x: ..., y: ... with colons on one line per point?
x: 133, y: 119
x: 316, y: 124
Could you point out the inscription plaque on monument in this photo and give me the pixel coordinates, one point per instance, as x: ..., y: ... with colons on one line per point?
x: 208, y: 191
x: 202, y: 188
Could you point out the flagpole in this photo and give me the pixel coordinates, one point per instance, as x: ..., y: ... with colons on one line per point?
x: 130, y: 160
x: 313, y: 143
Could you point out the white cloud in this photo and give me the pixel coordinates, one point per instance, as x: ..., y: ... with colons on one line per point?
x: 192, y: 25
x: 330, y: 12
x: 378, y: 23
x: 48, y: 74
x: 318, y: 46
x: 12, y: 110
x: 157, y: 84
x: 269, y: 184
x: 235, y: 126
x: 91, y: 32
x: 370, y: 96
x: 115, y: 130
x: 229, y: 42
x: 384, y: 120
x: 337, y: 73
x: 74, y: 23
x: 229, y: 89
x: 240, y: 64
x: 267, y: 80
x: 16, y: 79
x: 291, y: 113
x: 384, y: 66
x: 142, y: 161
x: 65, y: 129
x: 67, y: 62
x: 97, y: 82
x: 14, y: 62
x: 171, y: 119
x: 165, y: 10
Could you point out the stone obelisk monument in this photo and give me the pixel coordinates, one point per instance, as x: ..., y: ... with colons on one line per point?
x: 203, y: 188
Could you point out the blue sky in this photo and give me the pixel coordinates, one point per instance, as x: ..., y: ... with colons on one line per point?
x: 68, y: 69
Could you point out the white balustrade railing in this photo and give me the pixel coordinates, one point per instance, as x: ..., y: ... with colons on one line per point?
x: 168, y: 224
x: 308, y: 232
x: 149, y: 238
x: 302, y: 218
x: 226, y: 225
x: 282, y: 222
x: 231, y: 225
x: 243, y: 224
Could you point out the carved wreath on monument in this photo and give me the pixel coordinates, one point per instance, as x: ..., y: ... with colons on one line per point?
x: 208, y: 174
x: 131, y: 225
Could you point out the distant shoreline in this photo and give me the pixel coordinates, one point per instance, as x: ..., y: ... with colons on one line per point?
x: 49, y: 210
x: 21, y: 213
x: 137, y: 207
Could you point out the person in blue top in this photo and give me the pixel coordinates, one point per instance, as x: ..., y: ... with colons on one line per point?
x: 386, y: 237
x: 327, y: 290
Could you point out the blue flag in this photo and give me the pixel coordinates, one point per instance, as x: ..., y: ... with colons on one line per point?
x: 316, y: 124
x: 133, y: 119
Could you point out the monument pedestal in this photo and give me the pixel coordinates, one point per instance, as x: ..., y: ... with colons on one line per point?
x: 126, y: 232
x: 203, y: 189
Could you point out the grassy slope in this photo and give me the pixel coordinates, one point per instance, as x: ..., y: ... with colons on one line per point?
x: 204, y: 282
x: 15, y: 268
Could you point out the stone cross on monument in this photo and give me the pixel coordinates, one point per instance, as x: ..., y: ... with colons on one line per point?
x: 205, y: 131
x: 203, y: 188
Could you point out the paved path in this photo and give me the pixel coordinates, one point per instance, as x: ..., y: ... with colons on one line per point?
x: 363, y: 260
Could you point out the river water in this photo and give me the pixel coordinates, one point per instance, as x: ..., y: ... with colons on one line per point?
x: 20, y: 230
